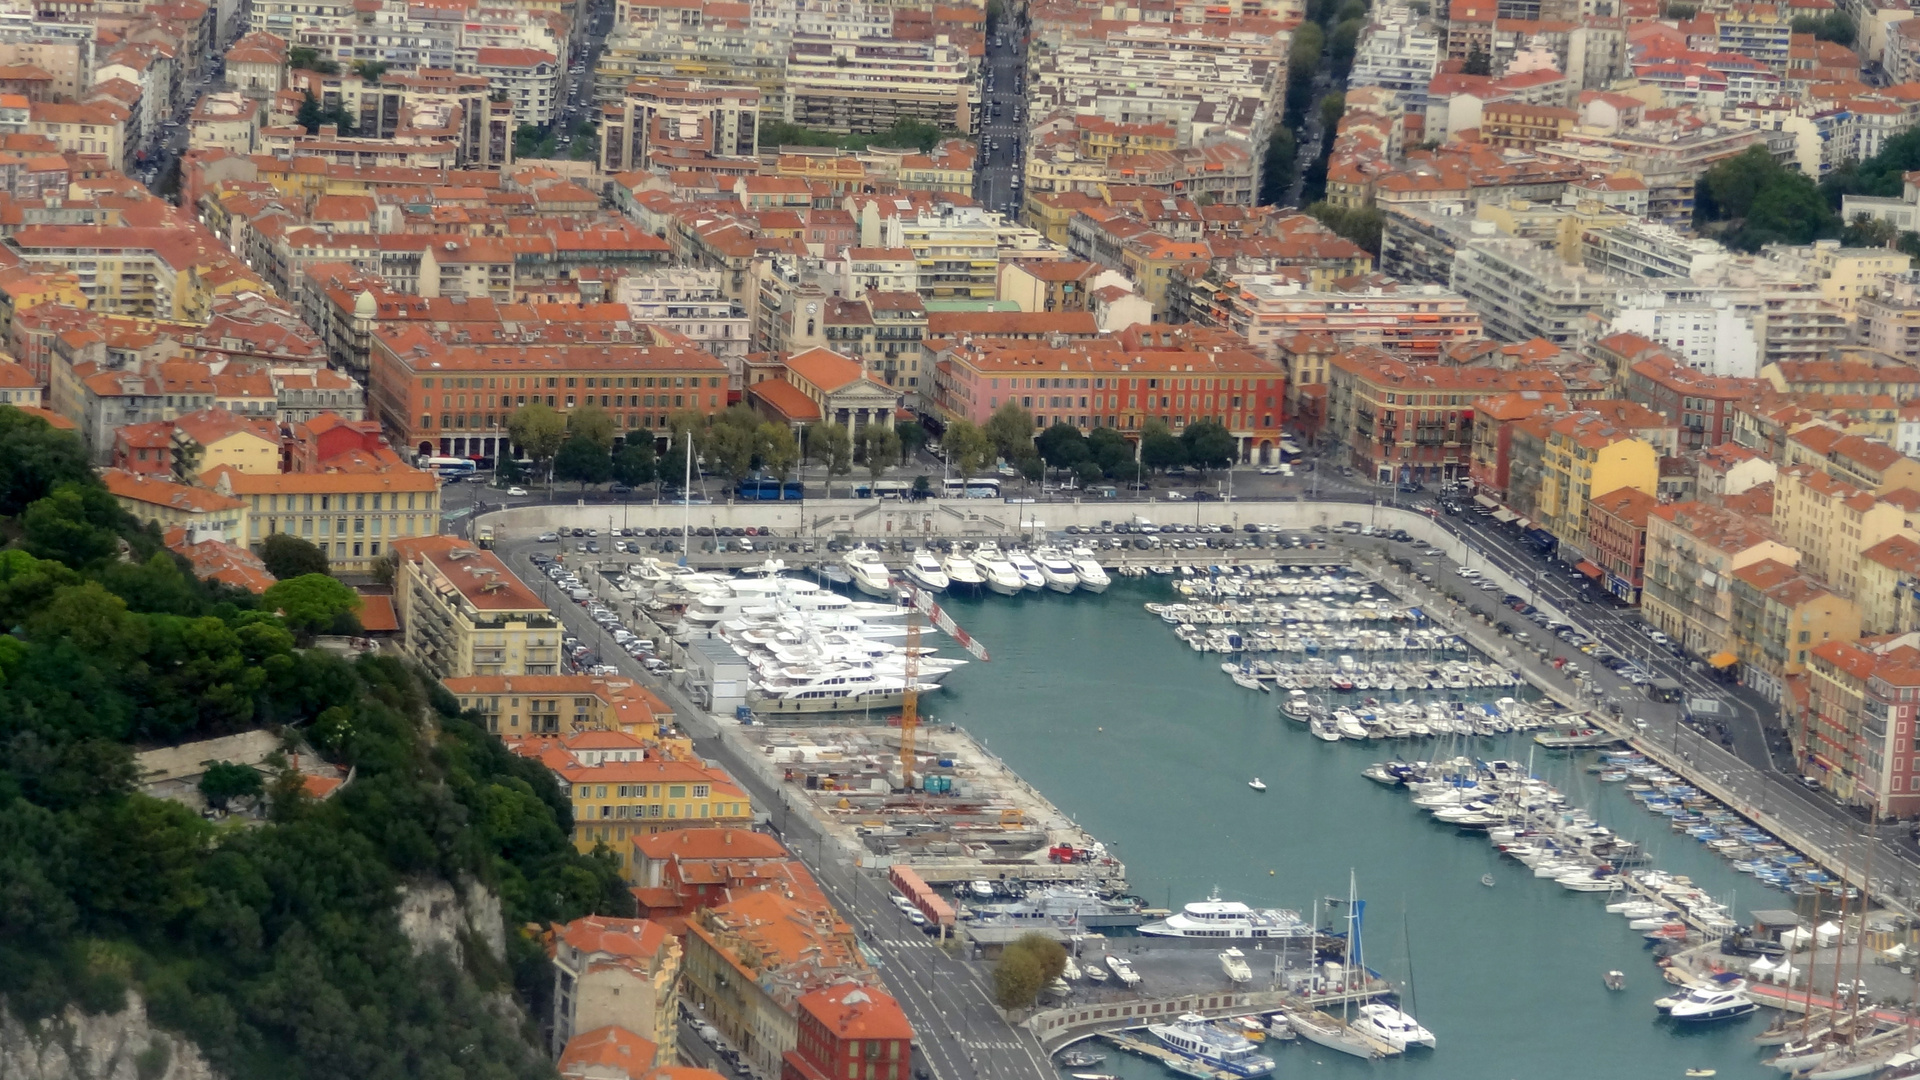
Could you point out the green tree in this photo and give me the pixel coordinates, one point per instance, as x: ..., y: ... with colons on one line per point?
x: 314, y: 604
x: 1050, y: 954
x: 538, y: 431
x: 1088, y: 472
x: 831, y: 445
x: 1750, y: 200
x: 507, y: 469
x: 1277, y: 168
x: 1160, y: 448
x: 1017, y: 979
x: 1010, y: 429
x: 1062, y: 446
x: 922, y: 486
x: 288, y: 556
x: 582, y: 461
x: 774, y: 449
x: 881, y: 448
x: 1332, y: 108
x: 77, y: 523
x: 1834, y: 26
x: 968, y: 447
x: 1868, y: 231
x: 633, y: 463
x: 35, y: 457
x: 1362, y: 225
x: 1110, y: 450
x: 223, y: 782
x: 305, y: 59
x: 1478, y: 62
x: 593, y: 423
x: 370, y: 70
x: 1208, y: 445
x: 913, y: 436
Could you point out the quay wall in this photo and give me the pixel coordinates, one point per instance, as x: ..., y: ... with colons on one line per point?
x: 1071, y: 1023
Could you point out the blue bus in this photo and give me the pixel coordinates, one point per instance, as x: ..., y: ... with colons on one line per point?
x: 769, y: 490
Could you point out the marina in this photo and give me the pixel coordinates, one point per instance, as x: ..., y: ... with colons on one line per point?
x: 1005, y: 860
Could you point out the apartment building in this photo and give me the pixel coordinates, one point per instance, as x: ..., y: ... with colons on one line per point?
x: 616, y: 975
x: 1780, y: 615
x: 1399, y: 421
x: 1617, y: 540
x: 1888, y: 320
x: 1888, y: 590
x: 1416, y: 322
x: 845, y: 1028
x: 1583, y: 454
x: 1855, y: 735
x: 1523, y: 291
x: 455, y: 399
x: 169, y: 505
x: 837, y: 83
x: 1693, y: 550
x: 530, y: 79
x: 1700, y: 405
x: 357, y: 518
x: 619, y: 796
x: 1397, y: 52
x: 662, y: 122
x: 462, y: 612
x: 1868, y: 464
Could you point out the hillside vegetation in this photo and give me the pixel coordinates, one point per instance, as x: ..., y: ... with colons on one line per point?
x: 273, y: 946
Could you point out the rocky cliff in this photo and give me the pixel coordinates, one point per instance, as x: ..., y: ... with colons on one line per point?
x: 107, y: 1046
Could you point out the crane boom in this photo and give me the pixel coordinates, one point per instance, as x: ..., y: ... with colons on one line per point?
x: 922, y: 603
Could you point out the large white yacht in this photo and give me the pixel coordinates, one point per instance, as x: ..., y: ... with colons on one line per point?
x: 1093, y: 577
x: 1393, y: 1027
x: 962, y: 573
x: 925, y: 571
x: 1057, y: 570
x: 1030, y: 576
x: 1217, y: 919
x: 870, y: 575
x: 1199, y: 1039
x: 1000, y: 574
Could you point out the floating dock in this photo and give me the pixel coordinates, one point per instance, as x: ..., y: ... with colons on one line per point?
x: 1164, y: 1056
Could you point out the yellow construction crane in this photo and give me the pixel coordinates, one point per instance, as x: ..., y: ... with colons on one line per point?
x: 922, y: 603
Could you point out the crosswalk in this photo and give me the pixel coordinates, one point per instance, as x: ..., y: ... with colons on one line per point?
x: 906, y: 943
x: 990, y: 1044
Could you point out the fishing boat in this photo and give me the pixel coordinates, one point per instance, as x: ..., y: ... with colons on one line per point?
x: 1393, y: 1027
x: 1196, y: 1038
x: 1257, y: 784
x: 1234, y: 963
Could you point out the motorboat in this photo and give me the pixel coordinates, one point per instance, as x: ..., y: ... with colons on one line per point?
x: 1328, y: 1031
x: 1056, y: 570
x: 961, y: 573
x: 1095, y: 973
x: 1614, y: 980
x: 1234, y: 963
x: 1071, y: 972
x: 1122, y: 969
x: 1722, y: 999
x: 999, y: 573
x: 1081, y: 1059
x: 925, y: 571
x: 870, y: 575
x: 1087, y: 569
x: 1194, y: 1037
x: 1023, y: 564
x: 1392, y: 1026
x: 1216, y: 918
x: 1257, y: 784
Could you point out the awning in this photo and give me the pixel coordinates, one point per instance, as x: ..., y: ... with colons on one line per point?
x: 1485, y: 500
x: 1723, y: 659
x: 1504, y: 515
x: 1588, y: 568
x: 1525, y: 524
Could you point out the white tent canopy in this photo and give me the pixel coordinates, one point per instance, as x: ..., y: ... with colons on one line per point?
x: 1796, y: 938
x: 1760, y: 966
x: 1827, y: 931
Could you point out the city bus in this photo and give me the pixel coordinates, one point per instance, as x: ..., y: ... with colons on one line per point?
x: 449, y: 468
x: 769, y: 490
x: 885, y: 489
x: 979, y: 487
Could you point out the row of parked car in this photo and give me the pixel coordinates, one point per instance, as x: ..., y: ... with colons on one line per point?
x: 579, y: 653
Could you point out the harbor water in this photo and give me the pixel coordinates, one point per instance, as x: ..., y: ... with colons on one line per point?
x: 1150, y: 747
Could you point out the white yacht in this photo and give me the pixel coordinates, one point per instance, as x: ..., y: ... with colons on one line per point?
x: 1085, y: 567
x: 1217, y: 918
x: 870, y: 575
x: 1030, y: 576
x: 1196, y: 1038
x: 1000, y: 574
x: 961, y: 573
x: 1057, y: 570
x: 1393, y: 1027
x: 1234, y: 963
x: 1719, y: 1001
x: 1328, y: 1031
x: 925, y: 571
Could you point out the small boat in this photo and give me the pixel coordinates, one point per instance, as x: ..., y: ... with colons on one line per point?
x: 1257, y: 784
x: 1722, y: 999
x: 1614, y: 980
x: 1702, y: 1072
x: 1093, y: 1076
x: 1234, y: 962
x: 1487, y: 880
x: 1095, y: 973
x: 1080, y: 1059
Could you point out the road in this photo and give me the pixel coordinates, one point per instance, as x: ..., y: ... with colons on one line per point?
x: 584, y: 54
x: 960, y: 1036
x: 999, y: 168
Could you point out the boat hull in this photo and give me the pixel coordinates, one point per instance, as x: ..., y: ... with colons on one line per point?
x: 1713, y: 1016
x: 927, y: 580
x: 1004, y: 588
x: 1337, y: 1038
